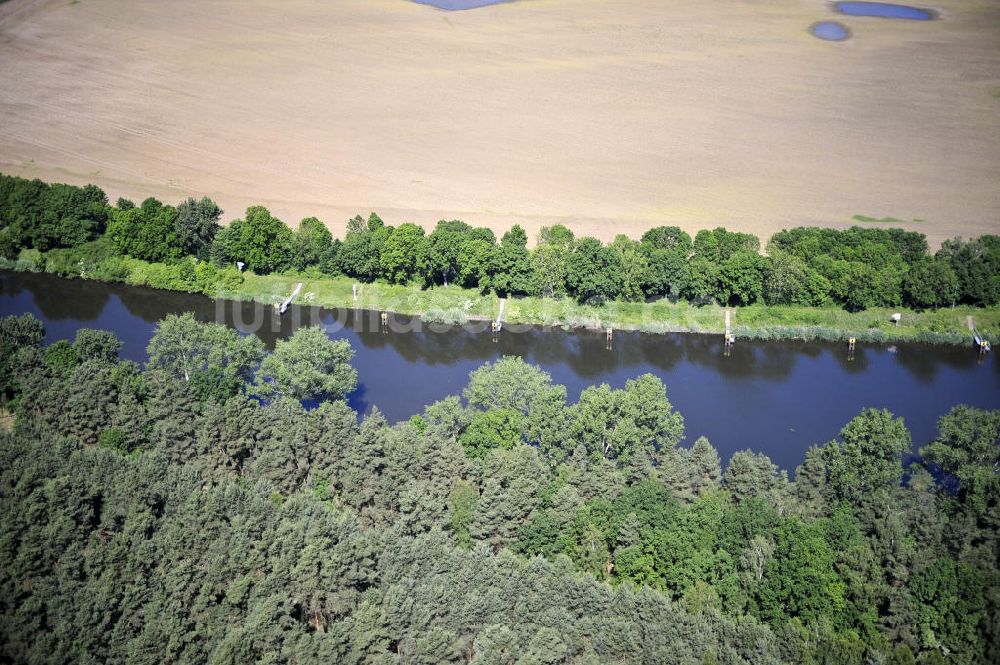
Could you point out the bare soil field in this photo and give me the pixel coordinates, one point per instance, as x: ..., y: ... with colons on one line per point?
x: 608, y: 116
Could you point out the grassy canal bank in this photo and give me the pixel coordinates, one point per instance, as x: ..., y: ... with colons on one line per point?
x: 456, y: 305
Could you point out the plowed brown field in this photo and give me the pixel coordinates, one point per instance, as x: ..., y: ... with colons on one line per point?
x: 608, y: 115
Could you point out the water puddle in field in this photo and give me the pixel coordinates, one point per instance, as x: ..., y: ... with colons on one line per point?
x: 830, y: 31
x: 459, y: 5
x: 884, y: 10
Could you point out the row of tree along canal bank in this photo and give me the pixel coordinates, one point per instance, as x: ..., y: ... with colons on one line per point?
x: 813, y: 282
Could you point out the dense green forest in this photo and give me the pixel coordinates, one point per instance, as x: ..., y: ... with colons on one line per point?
x: 193, y: 510
x: 858, y: 268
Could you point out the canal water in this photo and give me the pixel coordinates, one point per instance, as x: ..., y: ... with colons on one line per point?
x: 771, y: 397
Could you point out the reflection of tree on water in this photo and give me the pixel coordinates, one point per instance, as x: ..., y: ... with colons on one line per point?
x: 11, y: 284
x: 583, y: 351
x: 747, y: 360
x: 924, y: 361
x: 59, y: 299
x: 433, y: 348
x: 152, y: 305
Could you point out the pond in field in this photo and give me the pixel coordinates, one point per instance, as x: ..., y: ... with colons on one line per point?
x: 884, y: 10
x: 830, y: 31
x: 773, y: 397
x: 458, y: 5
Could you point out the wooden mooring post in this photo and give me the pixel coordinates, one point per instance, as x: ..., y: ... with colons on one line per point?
x: 497, y: 325
x: 730, y: 338
x: 499, y: 321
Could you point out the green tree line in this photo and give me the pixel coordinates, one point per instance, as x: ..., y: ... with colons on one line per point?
x: 192, y: 510
x: 855, y: 268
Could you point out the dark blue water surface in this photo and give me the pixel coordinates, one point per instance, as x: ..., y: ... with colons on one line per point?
x: 830, y: 31
x: 773, y: 397
x: 883, y: 10
x: 458, y: 5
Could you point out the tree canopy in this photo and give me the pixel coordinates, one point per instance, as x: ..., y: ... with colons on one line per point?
x: 74, y: 228
x: 308, y: 366
x: 512, y: 526
x: 196, y: 225
x: 148, y: 232
x: 186, y: 348
x: 263, y: 242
